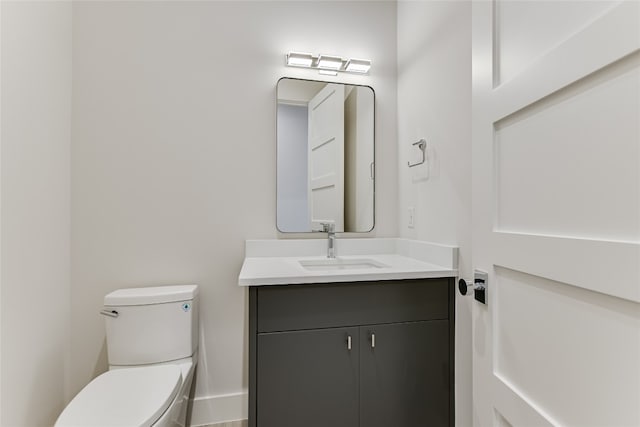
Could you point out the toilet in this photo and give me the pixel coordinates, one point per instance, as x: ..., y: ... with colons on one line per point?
x: 152, y: 344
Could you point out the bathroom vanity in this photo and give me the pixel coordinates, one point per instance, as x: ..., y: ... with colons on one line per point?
x: 363, y: 340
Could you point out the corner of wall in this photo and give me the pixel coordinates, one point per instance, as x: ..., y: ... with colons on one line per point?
x: 35, y: 210
x: 434, y: 103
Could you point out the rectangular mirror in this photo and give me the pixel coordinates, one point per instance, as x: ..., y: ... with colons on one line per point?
x: 325, y: 156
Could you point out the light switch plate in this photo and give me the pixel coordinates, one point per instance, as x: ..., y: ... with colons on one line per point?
x: 411, y: 221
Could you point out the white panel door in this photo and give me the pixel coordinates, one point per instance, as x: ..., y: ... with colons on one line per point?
x: 326, y: 157
x: 556, y: 213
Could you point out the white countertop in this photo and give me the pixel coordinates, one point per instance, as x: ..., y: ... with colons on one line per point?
x: 401, y: 259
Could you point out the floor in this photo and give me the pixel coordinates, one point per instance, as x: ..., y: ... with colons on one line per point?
x: 239, y: 423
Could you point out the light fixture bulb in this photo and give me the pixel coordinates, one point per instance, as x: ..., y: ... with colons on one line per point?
x: 298, y: 59
x: 330, y: 62
x: 358, y: 66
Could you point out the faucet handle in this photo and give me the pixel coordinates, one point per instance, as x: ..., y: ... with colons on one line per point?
x: 328, y: 227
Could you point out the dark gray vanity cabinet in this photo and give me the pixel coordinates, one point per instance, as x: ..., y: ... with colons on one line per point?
x: 404, y: 379
x: 308, y: 378
x: 361, y: 354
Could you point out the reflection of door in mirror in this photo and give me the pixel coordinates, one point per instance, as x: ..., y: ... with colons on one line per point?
x: 325, y: 155
x: 326, y: 158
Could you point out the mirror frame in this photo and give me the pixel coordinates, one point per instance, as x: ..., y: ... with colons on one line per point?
x: 375, y: 173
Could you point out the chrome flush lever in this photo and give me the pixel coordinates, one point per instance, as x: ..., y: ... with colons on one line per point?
x: 110, y: 313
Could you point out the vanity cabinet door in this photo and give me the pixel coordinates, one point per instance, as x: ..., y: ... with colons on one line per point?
x: 308, y: 378
x: 405, y: 374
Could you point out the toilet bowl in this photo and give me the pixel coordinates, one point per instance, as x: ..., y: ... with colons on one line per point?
x: 152, y: 337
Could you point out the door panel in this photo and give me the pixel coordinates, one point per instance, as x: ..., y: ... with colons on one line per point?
x: 556, y: 213
x: 404, y: 379
x: 520, y: 43
x: 545, y: 135
x: 326, y: 157
x: 588, y: 330
x: 308, y: 378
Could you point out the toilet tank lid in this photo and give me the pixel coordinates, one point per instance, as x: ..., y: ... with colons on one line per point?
x: 151, y: 295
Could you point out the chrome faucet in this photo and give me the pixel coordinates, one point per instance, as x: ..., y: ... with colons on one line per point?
x: 330, y: 229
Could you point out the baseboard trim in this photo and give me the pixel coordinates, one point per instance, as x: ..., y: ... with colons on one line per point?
x: 211, y: 410
x: 239, y: 423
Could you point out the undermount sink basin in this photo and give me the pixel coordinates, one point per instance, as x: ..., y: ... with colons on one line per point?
x: 331, y: 264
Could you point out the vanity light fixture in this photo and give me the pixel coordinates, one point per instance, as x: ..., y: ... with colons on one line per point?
x: 358, y: 66
x: 297, y: 59
x: 328, y: 64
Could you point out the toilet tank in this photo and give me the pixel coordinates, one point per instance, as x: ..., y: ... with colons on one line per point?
x: 151, y: 325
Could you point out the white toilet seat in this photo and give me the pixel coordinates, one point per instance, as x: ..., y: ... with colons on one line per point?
x: 124, y: 397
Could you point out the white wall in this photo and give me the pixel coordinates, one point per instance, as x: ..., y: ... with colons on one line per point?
x: 173, y: 153
x: 36, y: 118
x: 434, y: 102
